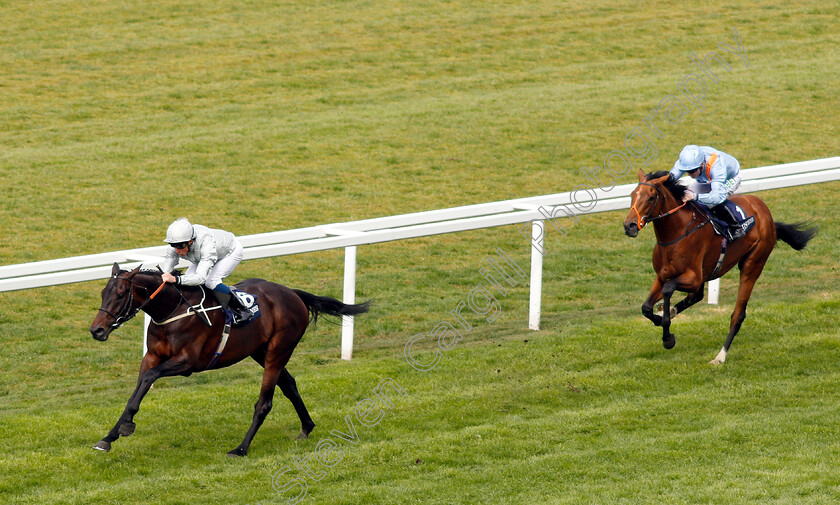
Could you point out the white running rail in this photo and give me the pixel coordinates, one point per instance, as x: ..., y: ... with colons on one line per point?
x: 535, y: 210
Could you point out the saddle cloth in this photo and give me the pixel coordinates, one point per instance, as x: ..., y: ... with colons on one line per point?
x: 739, y: 217
x: 248, y: 301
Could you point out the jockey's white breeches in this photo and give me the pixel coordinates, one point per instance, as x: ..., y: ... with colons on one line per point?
x: 222, y: 268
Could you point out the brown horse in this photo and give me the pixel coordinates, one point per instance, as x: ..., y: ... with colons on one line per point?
x: 688, y: 253
x: 185, y: 334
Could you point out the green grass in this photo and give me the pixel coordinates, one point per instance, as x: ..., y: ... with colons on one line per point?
x: 121, y: 116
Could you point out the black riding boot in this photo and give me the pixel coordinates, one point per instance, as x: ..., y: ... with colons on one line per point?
x: 231, y: 305
x: 733, y: 231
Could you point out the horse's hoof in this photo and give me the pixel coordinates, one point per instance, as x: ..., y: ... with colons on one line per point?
x: 237, y: 453
x: 715, y: 362
x: 669, y: 342
x: 127, y: 429
x: 103, y: 446
x: 659, y: 310
x: 305, y: 430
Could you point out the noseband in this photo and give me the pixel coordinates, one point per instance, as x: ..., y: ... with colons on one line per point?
x: 127, y: 312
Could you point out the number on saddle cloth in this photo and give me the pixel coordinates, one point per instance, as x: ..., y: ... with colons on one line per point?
x: 249, y: 303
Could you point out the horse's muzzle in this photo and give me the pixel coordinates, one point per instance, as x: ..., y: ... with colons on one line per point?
x: 631, y: 229
x: 99, y: 333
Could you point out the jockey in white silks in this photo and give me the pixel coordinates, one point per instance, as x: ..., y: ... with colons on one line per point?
x: 213, y: 254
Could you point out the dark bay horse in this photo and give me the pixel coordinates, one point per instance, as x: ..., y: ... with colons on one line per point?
x: 181, y: 342
x: 688, y: 252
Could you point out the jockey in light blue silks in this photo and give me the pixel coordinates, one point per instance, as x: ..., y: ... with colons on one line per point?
x: 717, y: 176
x: 213, y: 254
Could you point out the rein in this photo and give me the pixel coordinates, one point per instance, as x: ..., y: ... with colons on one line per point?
x: 127, y: 313
x: 684, y: 235
x: 641, y: 221
x: 688, y: 232
x: 200, y: 310
x: 660, y: 200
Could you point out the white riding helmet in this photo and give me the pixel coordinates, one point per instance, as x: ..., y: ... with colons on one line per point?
x: 691, y: 158
x: 179, y: 231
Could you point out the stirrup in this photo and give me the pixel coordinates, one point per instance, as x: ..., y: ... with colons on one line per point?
x: 243, y: 315
x: 740, y: 229
x: 733, y: 233
x: 243, y: 308
x: 237, y: 316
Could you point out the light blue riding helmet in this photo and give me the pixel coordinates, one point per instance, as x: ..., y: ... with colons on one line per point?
x: 691, y: 158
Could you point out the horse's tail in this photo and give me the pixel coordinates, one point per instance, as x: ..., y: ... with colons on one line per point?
x: 796, y: 235
x: 326, y: 305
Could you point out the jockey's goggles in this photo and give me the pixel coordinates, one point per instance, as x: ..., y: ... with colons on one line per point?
x: 180, y: 245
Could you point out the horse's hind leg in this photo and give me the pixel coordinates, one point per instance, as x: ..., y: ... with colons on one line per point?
x: 288, y: 385
x: 261, y: 408
x: 273, y: 362
x: 750, y: 270
x: 691, y: 299
x: 687, y: 302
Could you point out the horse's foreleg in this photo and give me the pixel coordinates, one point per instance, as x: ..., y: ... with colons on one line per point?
x: 288, y: 385
x: 148, y: 375
x: 668, y: 339
x: 654, y: 296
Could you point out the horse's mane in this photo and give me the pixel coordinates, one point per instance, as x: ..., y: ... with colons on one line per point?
x: 672, y: 185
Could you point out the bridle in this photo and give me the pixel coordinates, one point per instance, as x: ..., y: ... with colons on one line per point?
x: 126, y: 313
x: 641, y: 221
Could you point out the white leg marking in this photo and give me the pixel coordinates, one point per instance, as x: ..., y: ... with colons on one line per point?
x: 720, y: 358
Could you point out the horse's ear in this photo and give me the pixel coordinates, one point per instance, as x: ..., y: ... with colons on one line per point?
x: 134, y: 272
x: 641, y: 175
x: 663, y: 179
x: 116, y: 270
